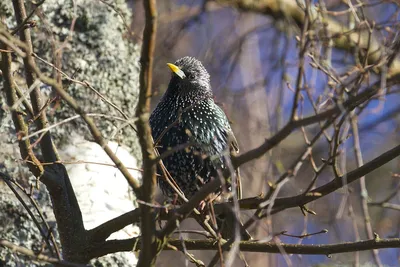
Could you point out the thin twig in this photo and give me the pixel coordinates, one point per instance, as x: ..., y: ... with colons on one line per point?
x: 363, y: 187
x: 35, y: 256
x: 9, y: 181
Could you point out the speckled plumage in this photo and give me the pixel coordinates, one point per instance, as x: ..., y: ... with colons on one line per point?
x: 202, y: 123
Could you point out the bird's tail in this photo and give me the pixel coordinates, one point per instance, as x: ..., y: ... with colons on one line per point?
x: 229, y: 225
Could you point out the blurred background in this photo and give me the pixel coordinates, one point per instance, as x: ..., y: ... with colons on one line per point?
x: 253, y: 60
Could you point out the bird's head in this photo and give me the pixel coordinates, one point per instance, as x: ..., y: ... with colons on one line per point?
x: 189, y: 77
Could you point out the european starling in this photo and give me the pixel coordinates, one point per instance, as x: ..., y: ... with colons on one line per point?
x: 187, y: 114
x: 188, y: 118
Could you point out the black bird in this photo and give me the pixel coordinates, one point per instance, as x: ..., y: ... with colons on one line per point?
x: 188, y: 118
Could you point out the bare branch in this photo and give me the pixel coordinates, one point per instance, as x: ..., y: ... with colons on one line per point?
x: 341, y: 35
x: 292, y: 125
x: 49, y: 151
x: 35, y: 256
x: 270, y: 247
x: 148, y: 225
x: 133, y: 244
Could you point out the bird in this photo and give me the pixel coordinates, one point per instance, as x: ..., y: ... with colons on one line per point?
x: 188, y: 119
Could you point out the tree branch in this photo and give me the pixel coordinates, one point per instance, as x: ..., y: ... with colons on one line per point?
x: 280, y: 204
x: 301, y: 199
x: 99, y: 139
x: 150, y: 244
x: 341, y: 35
x: 18, y: 119
x: 271, y: 247
x: 49, y: 151
x: 133, y: 244
x: 348, y: 105
x: 35, y: 256
x: 103, y: 231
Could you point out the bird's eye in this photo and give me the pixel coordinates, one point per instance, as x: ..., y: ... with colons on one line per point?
x: 191, y: 76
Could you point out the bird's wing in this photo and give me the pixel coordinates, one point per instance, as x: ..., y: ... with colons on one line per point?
x: 234, y: 146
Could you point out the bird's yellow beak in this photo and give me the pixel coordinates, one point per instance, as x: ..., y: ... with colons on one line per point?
x: 175, y: 69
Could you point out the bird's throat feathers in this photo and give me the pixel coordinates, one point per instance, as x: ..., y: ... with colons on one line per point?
x: 185, y: 97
